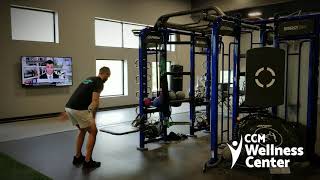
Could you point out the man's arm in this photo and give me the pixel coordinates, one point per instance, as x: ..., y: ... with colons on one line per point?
x: 95, y: 103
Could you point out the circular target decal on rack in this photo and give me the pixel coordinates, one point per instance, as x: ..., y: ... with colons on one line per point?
x: 265, y: 77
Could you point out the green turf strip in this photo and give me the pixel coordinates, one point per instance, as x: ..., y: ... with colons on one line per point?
x: 12, y: 169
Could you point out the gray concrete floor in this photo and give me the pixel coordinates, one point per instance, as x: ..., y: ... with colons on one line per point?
x: 52, y: 155
x: 40, y: 127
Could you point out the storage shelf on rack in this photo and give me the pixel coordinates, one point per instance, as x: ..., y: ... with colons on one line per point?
x: 203, y: 103
x: 151, y: 109
x: 177, y: 73
x: 179, y: 101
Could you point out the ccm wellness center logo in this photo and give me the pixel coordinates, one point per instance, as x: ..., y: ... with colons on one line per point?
x: 259, y: 152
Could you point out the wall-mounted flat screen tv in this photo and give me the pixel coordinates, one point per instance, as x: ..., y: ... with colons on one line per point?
x: 46, y: 71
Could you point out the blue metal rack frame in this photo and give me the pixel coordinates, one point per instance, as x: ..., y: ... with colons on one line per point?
x: 312, y: 78
x: 143, y: 58
x: 212, y: 61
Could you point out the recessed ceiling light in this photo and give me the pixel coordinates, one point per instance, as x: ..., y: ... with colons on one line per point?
x: 254, y: 14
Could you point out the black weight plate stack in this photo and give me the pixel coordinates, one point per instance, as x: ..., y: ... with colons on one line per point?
x: 176, y: 80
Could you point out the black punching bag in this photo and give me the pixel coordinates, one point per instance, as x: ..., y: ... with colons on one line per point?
x: 176, y: 80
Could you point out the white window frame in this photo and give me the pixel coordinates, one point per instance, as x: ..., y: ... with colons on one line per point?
x: 172, y: 47
x: 168, y: 77
x: 122, y: 34
x: 55, y: 22
x: 124, y: 77
x: 113, y: 21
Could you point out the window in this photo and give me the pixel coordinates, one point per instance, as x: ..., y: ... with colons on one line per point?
x: 225, y: 76
x: 171, y: 47
x: 108, y: 33
x: 117, y: 84
x: 225, y: 79
x: 154, y: 75
x: 114, y: 33
x: 31, y: 24
x: 129, y: 39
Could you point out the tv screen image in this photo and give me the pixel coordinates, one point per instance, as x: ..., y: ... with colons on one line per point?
x: 46, y: 71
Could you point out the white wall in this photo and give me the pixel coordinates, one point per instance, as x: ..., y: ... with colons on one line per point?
x: 76, y: 23
x: 229, y: 5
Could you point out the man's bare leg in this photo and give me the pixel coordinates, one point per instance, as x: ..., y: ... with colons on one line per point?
x: 80, y: 140
x: 92, y: 130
